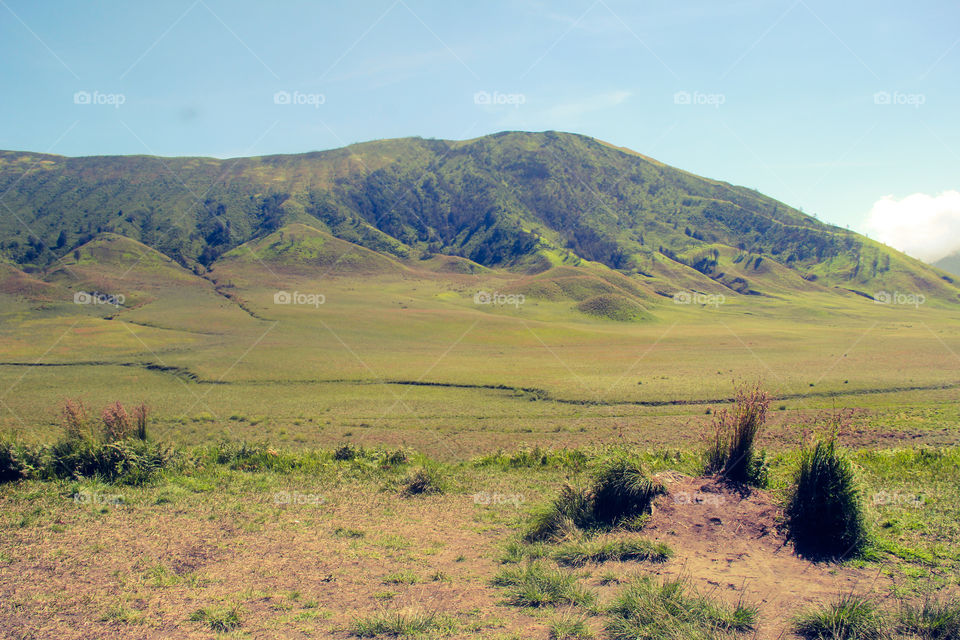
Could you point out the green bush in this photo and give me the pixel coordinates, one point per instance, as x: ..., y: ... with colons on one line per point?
x: 849, y: 617
x: 11, y: 462
x: 650, y: 610
x: 731, y: 452
x: 126, y: 461
x: 824, y: 511
x: 572, y: 510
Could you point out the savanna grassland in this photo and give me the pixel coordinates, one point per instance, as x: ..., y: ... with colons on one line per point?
x: 312, y: 530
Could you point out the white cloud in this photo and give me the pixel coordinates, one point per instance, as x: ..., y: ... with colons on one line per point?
x: 923, y: 226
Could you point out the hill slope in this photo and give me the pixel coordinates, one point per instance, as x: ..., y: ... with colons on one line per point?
x: 524, y: 201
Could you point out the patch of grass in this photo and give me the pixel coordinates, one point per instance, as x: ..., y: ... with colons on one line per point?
x: 850, y: 617
x: 621, y: 492
x: 651, y: 610
x: 537, y: 585
x: 424, y: 481
x: 579, y: 553
x: 933, y: 618
x: 222, y: 619
x: 399, y: 625
x: 401, y: 577
x: 118, y: 612
x: 731, y: 451
x: 569, y: 626
x: 825, y: 512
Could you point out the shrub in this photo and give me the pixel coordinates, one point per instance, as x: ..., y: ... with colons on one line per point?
x: 11, y: 463
x: 824, y: 511
x: 536, y: 585
x: 731, y: 451
x: 651, y: 610
x: 934, y: 618
x: 127, y: 461
x: 849, y: 617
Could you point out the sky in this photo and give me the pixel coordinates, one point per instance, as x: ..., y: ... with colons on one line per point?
x: 847, y: 110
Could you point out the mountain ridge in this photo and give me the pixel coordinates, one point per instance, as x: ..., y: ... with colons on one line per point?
x: 512, y: 200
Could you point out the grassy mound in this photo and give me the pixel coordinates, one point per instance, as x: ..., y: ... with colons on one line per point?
x: 613, y: 307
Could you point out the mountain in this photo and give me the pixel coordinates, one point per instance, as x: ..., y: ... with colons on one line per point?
x: 950, y: 264
x: 529, y: 203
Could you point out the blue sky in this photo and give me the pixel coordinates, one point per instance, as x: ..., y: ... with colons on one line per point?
x: 827, y: 106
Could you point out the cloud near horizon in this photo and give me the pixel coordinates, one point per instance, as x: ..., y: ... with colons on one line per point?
x: 926, y: 227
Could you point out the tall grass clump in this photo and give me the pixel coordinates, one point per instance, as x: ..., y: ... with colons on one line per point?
x: 850, y: 617
x: 824, y: 511
x: 621, y: 492
x: 933, y: 618
x: 648, y: 609
x: 731, y: 452
x: 537, y: 585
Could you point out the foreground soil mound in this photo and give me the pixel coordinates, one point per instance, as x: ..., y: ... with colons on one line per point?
x: 727, y: 540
